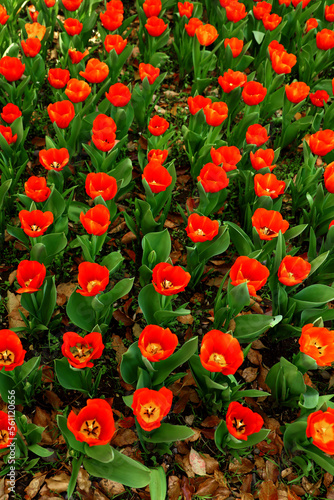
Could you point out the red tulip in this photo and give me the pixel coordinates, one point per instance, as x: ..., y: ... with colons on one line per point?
x: 220, y: 352
x: 11, y: 350
x: 268, y: 223
x: 311, y: 24
x: 152, y: 7
x: 256, y: 134
x: 95, y: 72
x: 58, y: 77
x: 253, y: 93
x: 115, y: 42
x: 232, y: 80
x: 293, y: 270
x: 282, y: 62
x: 197, y: 103
x: 157, y: 343
x: 30, y: 275
x: 260, y: 9
x: 10, y: 113
x: 148, y: 71
x: 81, y: 350
x: 53, y: 158
x: 61, y: 112
x: 119, y: 95
x: 155, y: 26
x: 36, y: 189
x: 31, y: 47
x: 235, y: 11
x: 33, y: 13
x: 77, y: 90
x: 157, y: 154
x: 96, y: 221
x: 168, y: 279
x: 101, y: 184
x: 192, y: 26
x: 104, y: 140
x: 7, y: 133
x: 263, y: 158
x: 322, y: 142
x: 116, y: 5
x: 11, y: 68
x: 329, y: 13
x: 317, y: 342
x: 329, y: 177
x: 206, y: 34
x: 297, y: 91
x: 50, y: 3
x: 226, y: 156
x: 185, y: 9
x: 72, y: 5
x: 201, y: 228
x: 94, y: 424
x: 271, y: 21
x: 73, y: 26
x: 36, y: 222
x: 325, y: 39
x: 111, y: 19
x: 216, y: 113
x: 213, y: 178
x: 157, y: 176
x: 319, y: 97
x: 8, y: 430
x: 242, y: 422
x: 250, y: 271
x: 158, y: 125
x: 76, y: 56
x: 3, y: 15
x: 268, y: 185
x: 103, y: 122
x: 235, y: 45
x: 320, y: 427
x: 150, y: 406
x: 274, y: 45
x: 92, y: 278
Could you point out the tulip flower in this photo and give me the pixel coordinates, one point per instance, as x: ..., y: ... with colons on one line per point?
x: 157, y: 154
x: 50, y: 3
x: 8, y: 429
x: 320, y: 427
x: 329, y: 177
x: 115, y: 5
x: 168, y: 279
x: 54, y: 159
x: 150, y: 406
x: 296, y: 92
x: 322, y: 142
x: 36, y: 222
x: 273, y: 46
x: 73, y: 26
x: 72, y: 5
x: 94, y: 424
x: 253, y: 93
x: 271, y: 21
x: 148, y: 71
x: 242, y: 422
x: 268, y: 223
x: 3, y: 15
x: 30, y: 275
x: 62, y: 113
x: 185, y: 9
x: 81, y: 350
x: 119, y: 95
x: 95, y: 72
x: 213, y: 178
x: 268, y: 185
x: 256, y: 134
x: 220, y: 352
x: 35, y: 30
x: 103, y: 122
x: 104, y: 140
x: 111, y: 19
x: 201, y: 228
x: 329, y: 13
x: 197, y: 103
x: 11, y: 350
x: 76, y: 56
x: 31, y: 47
x: 260, y: 9
x: 325, y: 39
x: 157, y: 176
x: 158, y: 125
x: 101, y: 184
x: 226, y: 156
x: 115, y: 42
x: 92, y: 278
x: 10, y: 113
x: 319, y: 97
x: 11, y: 68
x: 33, y: 13
x: 58, y: 77
x: 7, y: 133
x: 317, y: 342
x: 235, y: 11
x: 96, y: 221
x: 282, y: 62
x: 293, y: 270
x: 155, y: 26
x: 152, y: 7
x: 157, y: 343
x: 235, y: 45
x: 206, y: 34
x: 192, y: 26
x: 77, y: 90
x: 36, y: 189
x: 250, y: 271
x: 216, y: 113
x: 311, y: 24
x: 262, y: 158
x: 232, y: 80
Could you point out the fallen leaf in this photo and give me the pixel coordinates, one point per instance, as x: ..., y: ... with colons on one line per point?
x: 174, y: 488
x: 208, y: 487
x: 58, y: 483
x: 249, y: 374
x: 186, y: 320
x: 268, y: 491
x: 64, y: 291
x: 124, y: 437
x: 13, y: 307
x: 243, y: 467
x: 111, y: 487
x: 35, y: 485
x: 211, y: 464
x: 197, y: 463
x: 211, y: 421
x: 83, y: 481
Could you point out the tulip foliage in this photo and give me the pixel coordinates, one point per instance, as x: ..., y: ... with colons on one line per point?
x: 166, y: 213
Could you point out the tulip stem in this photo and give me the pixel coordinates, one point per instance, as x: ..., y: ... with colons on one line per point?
x: 34, y: 301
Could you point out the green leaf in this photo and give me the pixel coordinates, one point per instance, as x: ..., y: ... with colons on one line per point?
x: 76, y: 464
x: 249, y: 328
x: 165, y: 367
x: 117, y: 292
x: 79, y: 310
x: 238, y: 297
x: 131, y: 361
x: 38, y: 450
x: 69, y: 437
x: 168, y: 433
x: 160, y: 242
x: 219, y: 245
x: 101, y: 453
x: 112, y: 261
x: 259, y: 36
x: 149, y: 303
x: 255, y: 438
x: 158, y: 486
x: 313, y: 296
x: 72, y: 378
x: 240, y: 239
x: 3, y: 191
